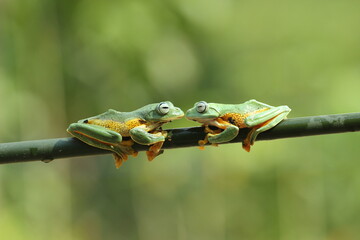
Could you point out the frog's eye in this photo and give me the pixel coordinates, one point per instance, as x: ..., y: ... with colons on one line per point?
x: 162, y: 108
x: 201, y: 106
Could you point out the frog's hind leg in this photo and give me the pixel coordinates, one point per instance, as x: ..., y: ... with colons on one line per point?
x: 104, y: 138
x: 228, y: 134
x: 94, y: 135
x: 262, y: 122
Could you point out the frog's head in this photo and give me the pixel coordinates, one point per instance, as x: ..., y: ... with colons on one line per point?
x: 203, y: 112
x: 162, y: 112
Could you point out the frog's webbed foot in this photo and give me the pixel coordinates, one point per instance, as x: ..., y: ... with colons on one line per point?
x: 154, y: 151
x: 122, y: 151
x: 119, y: 159
x: 263, y: 121
x: 203, y: 142
x: 246, y: 144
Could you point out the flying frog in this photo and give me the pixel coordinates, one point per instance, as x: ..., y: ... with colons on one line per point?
x: 229, y: 118
x: 117, y: 131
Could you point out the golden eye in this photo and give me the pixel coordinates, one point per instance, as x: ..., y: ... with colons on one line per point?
x: 201, y: 106
x: 163, y: 108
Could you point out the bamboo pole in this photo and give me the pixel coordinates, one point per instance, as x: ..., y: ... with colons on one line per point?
x: 49, y: 149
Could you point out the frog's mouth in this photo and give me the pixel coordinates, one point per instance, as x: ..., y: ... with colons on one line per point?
x: 171, y: 119
x: 208, y: 122
x: 205, y: 121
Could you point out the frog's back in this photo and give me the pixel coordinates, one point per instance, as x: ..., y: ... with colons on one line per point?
x: 237, y: 113
x: 242, y: 108
x: 121, y: 122
x: 117, y: 116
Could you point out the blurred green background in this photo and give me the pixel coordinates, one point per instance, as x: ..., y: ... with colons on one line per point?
x: 61, y: 61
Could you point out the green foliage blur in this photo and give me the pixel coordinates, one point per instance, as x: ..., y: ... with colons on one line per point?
x: 63, y: 60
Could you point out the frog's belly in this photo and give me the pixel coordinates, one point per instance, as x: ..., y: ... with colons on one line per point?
x: 120, y: 127
x: 238, y: 119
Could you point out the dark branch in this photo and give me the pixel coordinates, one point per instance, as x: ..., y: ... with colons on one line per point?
x: 49, y: 149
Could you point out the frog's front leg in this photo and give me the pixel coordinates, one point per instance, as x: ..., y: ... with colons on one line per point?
x: 101, y: 137
x: 263, y: 121
x: 229, y: 132
x: 209, y: 132
x: 141, y: 136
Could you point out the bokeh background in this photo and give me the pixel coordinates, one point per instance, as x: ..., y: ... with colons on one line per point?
x: 64, y: 60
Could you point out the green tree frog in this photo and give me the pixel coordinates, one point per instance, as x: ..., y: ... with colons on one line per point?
x: 229, y: 118
x: 117, y: 131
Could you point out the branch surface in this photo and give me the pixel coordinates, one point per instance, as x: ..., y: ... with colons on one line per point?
x: 49, y: 149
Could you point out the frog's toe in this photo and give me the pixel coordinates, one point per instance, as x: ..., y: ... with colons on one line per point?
x: 156, y: 147
x: 202, y: 143
x: 151, y: 155
x: 119, y: 159
x: 250, y: 139
x: 154, y: 151
x: 246, y: 145
x: 135, y: 154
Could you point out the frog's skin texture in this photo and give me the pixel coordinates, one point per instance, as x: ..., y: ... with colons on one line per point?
x: 229, y: 118
x: 117, y: 131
